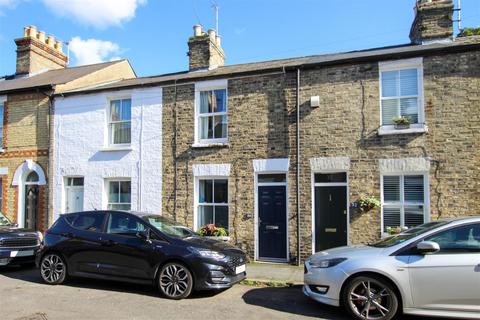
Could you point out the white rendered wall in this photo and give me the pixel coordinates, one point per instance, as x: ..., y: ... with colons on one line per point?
x: 80, y: 142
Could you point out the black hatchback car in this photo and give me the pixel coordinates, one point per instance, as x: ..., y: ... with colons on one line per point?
x: 140, y: 248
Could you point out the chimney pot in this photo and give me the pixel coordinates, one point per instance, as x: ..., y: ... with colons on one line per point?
x: 26, y: 31
x: 58, y: 46
x: 50, y: 41
x: 212, y: 35
x: 32, y: 31
x: 41, y: 36
x: 197, y: 30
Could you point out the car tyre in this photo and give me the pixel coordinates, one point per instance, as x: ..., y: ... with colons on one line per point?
x: 53, y: 269
x: 175, y: 281
x: 370, y: 298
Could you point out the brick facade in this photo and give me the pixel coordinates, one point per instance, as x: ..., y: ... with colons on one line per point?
x: 261, y: 125
x: 25, y: 137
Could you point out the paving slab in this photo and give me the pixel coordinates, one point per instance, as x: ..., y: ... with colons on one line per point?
x: 275, y: 272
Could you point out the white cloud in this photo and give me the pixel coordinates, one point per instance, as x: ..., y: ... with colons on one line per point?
x: 9, y: 3
x: 93, y: 50
x: 97, y: 13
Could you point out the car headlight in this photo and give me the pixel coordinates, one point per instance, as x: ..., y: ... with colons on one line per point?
x: 326, y: 263
x: 40, y: 236
x: 205, y: 253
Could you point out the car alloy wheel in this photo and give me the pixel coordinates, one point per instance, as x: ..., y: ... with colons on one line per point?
x: 53, y: 269
x: 175, y: 281
x: 370, y: 298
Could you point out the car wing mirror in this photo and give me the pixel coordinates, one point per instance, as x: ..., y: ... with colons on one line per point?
x: 428, y: 247
x: 144, y: 235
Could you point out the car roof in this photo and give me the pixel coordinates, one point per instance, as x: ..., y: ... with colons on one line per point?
x: 455, y: 220
x: 136, y: 213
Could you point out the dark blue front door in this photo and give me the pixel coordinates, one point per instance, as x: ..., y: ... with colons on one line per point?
x: 272, y: 223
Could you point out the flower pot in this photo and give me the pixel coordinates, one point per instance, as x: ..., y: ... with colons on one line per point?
x: 401, y: 126
x: 220, y: 238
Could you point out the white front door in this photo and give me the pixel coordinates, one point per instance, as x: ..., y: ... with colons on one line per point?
x: 74, y: 195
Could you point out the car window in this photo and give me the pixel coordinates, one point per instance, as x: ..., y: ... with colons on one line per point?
x: 88, y: 222
x: 407, y: 235
x: 124, y: 224
x: 458, y: 240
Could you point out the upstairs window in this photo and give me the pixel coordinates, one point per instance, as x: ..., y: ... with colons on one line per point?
x: 211, y: 112
x: 119, y: 122
x: 404, y: 200
x: 401, y: 91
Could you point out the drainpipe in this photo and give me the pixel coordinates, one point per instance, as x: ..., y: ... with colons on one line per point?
x: 49, y: 157
x: 174, y: 153
x: 298, y: 166
x: 140, y: 163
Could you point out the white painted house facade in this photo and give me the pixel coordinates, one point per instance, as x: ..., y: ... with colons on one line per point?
x: 107, y: 151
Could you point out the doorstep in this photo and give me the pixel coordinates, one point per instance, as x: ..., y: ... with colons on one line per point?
x: 274, y: 272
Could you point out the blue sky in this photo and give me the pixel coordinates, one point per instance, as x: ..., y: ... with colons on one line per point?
x: 153, y: 34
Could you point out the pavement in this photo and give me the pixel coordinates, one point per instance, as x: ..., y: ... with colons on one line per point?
x: 23, y: 296
x: 275, y: 272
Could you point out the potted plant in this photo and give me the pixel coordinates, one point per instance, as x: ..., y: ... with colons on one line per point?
x: 366, y: 204
x: 212, y: 231
x: 391, y: 231
x: 401, y: 122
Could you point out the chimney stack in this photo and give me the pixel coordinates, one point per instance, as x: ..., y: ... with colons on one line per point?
x: 36, y: 53
x: 433, y: 21
x: 204, y: 49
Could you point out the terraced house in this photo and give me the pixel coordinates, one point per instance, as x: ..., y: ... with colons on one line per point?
x: 26, y: 105
x: 289, y: 155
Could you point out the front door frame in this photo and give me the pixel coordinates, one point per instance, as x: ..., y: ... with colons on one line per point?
x: 329, y: 184
x: 257, y: 184
x: 67, y: 188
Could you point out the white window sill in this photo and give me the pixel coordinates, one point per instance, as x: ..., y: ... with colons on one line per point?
x: 116, y: 148
x: 210, y: 145
x: 390, y: 130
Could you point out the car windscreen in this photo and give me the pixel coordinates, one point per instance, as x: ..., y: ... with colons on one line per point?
x: 407, y: 235
x: 169, y: 227
x: 3, y: 220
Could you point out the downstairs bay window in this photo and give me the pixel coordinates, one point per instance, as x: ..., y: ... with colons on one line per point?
x: 404, y: 200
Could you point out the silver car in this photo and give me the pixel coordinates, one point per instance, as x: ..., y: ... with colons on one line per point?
x: 432, y: 269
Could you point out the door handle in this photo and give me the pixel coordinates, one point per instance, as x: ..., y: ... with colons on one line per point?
x: 108, y: 243
x: 68, y: 235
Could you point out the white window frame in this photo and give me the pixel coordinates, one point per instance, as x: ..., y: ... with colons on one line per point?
x: 397, y: 65
x: 197, y: 203
x: 209, y: 86
x: 110, y: 122
x: 401, y: 203
x: 107, y: 189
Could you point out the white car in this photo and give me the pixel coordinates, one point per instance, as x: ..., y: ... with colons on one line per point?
x: 432, y: 269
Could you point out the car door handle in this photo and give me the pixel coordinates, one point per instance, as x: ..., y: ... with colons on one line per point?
x: 68, y: 235
x: 108, y: 243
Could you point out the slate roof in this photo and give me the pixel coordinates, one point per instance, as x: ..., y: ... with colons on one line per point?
x: 376, y: 54
x: 52, y: 77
